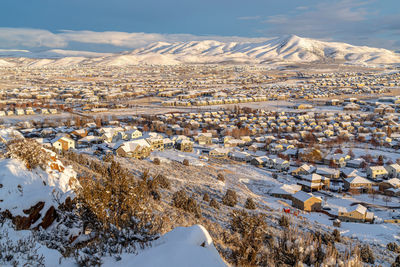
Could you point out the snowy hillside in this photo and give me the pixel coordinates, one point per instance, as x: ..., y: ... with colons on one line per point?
x: 181, y: 247
x: 283, y: 49
x: 30, y: 196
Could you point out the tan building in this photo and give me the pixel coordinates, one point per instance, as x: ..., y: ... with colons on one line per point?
x: 357, y: 213
x: 138, y: 149
x: 184, y: 145
x: 306, y: 201
x: 357, y: 184
x: 63, y: 143
x: 220, y: 153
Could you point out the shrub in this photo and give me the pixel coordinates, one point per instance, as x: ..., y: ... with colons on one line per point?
x: 284, y: 221
x: 214, y: 204
x: 396, y: 263
x: 30, y: 152
x: 336, y: 235
x: 162, y: 181
x: 248, y: 249
x: 118, y: 200
x: 221, y: 177
x: 156, y: 161
x: 189, y: 204
x: 230, y: 198
x: 250, y: 204
x: 367, y: 255
x: 392, y: 246
x: 206, y: 197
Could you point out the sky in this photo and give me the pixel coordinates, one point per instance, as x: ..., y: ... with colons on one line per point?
x: 118, y: 25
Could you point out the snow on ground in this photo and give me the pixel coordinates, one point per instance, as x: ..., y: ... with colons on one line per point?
x: 178, y: 156
x: 375, y: 233
x: 183, y: 246
x: 259, y: 181
x: 21, y: 188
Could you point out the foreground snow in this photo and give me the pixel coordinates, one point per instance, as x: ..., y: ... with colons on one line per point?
x: 182, y: 247
x: 22, y: 188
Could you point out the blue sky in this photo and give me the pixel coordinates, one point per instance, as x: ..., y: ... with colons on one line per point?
x: 116, y: 25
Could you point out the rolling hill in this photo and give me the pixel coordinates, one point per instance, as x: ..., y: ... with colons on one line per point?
x: 290, y: 48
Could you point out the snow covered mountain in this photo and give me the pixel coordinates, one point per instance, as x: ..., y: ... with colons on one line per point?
x: 275, y: 50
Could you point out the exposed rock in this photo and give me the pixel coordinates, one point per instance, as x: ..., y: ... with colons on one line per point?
x: 50, y: 216
x: 25, y: 222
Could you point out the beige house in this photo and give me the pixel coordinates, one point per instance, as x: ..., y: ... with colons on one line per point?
x: 306, y: 201
x: 139, y: 149
x: 357, y: 184
x: 357, y: 213
x: 220, y: 153
x: 63, y: 143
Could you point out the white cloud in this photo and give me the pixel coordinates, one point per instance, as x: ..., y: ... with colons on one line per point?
x: 20, y: 38
x: 249, y: 18
x: 343, y: 20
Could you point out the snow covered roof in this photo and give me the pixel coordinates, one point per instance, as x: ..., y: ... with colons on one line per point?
x: 359, y: 208
x: 286, y: 189
x: 394, y: 181
x: 358, y: 180
x: 312, y: 177
x: 303, y: 196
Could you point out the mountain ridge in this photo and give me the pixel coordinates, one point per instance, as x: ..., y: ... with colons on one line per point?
x: 288, y: 48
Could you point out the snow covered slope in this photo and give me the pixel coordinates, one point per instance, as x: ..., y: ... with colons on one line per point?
x: 283, y: 49
x: 29, y: 195
x: 182, y: 247
x: 288, y: 48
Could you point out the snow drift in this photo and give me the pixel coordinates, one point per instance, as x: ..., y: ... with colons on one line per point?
x: 182, y: 247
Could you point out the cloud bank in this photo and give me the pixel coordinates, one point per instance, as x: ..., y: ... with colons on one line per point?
x: 34, y: 39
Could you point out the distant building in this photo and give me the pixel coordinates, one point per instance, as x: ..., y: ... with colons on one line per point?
x: 306, y: 201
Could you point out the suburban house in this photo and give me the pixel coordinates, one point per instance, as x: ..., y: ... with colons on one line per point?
x: 184, y: 145
x: 260, y: 161
x: 390, y: 187
x: 239, y: 156
x: 376, y: 172
x: 356, y: 213
x: 328, y: 172
x: 156, y: 142
x: 313, y: 182
x: 80, y: 133
x: 63, y: 143
x: 133, y: 134
x: 139, y: 149
x: 357, y: 184
x: 204, y: 138
x: 279, y: 164
x: 219, y: 153
x: 336, y: 160
x: 306, y: 201
x: 304, y: 169
x: 355, y: 163
x: 393, y: 170
x: 285, y: 191
x: 168, y: 143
